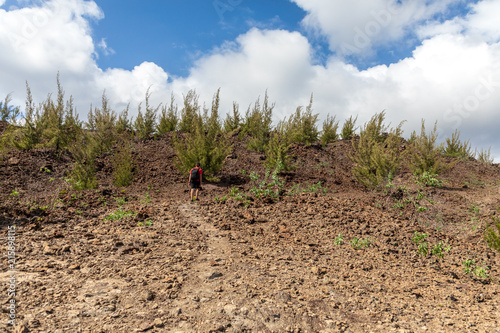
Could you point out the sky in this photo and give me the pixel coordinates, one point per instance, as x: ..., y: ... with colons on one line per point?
x: 437, y: 60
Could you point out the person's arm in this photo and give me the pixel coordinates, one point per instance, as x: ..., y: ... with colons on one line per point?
x: 201, y: 177
x: 189, y: 181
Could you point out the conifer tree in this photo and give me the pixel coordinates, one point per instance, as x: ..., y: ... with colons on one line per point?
x: 189, y: 112
x: 204, y: 143
x: 169, y: 118
x: 233, y: 121
x: 145, y: 124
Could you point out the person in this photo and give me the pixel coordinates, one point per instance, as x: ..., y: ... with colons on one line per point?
x: 195, y: 179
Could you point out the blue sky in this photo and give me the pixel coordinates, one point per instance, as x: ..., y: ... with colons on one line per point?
x: 173, y: 34
x: 437, y: 60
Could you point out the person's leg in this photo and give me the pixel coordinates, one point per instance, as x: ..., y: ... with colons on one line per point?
x: 192, y: 192
x: 197, y: 193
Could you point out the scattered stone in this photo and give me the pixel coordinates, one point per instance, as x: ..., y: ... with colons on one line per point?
x: 214, y: 275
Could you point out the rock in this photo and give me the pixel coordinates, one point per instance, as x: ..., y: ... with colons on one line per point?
x: 149, y: 295
x: 214, y: 275
x: 21, y: 329
x: 175, y: 312
x: 318, y: 270
x: 158, y: 323
x: 145, y: 327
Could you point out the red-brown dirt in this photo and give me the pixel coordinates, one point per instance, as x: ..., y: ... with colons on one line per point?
x: 229, y: 265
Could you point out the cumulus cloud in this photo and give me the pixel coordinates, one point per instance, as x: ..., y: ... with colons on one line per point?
x: 37, y: 42
x: 356, y: 27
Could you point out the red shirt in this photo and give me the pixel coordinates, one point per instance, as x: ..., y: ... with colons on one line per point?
x: 200, y: 172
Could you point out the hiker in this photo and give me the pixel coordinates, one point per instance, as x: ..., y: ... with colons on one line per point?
x: 195, y: 178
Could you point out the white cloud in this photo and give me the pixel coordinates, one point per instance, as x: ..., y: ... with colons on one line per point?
x: 2, y: 2
x: 358, y: 26
x: 39, y: 41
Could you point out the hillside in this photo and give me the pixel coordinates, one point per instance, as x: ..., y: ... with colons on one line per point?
x: 233, y: 263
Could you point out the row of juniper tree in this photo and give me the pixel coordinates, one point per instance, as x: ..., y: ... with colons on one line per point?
x: 200, y: 135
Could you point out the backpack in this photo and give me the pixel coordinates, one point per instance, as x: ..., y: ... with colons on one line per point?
x: 195, y: 174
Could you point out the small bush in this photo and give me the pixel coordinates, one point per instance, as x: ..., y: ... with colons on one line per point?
x: 257, y: 125
x: 348, y: 129
x: 102, y: 122
x: 82, y: 175
x: 267, y: 188
x: 456, y: 148
x: 205, y: 144
x: 145, y: 124
x: 376, y: 157
x: 491, y: 237
x: 190, y: 112
x: 425, y: 154
x: 123, y: 123
x: 168, y: 119
x: 123, y: 164
x: 429, y: 179
x: 330, y: 128
x: 301, y: 127
x: 8, y: 112
x: 232, y: 122
x: 484, y: 156
x: 277, y: 151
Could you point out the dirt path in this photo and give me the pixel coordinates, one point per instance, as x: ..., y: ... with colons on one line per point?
x: 202, y: 294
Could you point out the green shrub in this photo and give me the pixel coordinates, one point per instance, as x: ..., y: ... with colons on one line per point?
x: 429, y: 179
x: 277, y: 150
x: 123, y: 164
x: 330, y: 128
x: 168, y: 119
x: 233, y: 121
x: 190, y: 112
x: 209, y: 147
x: 493, y: 238
x: 8, y: 112
x: 359, y: 243
x: 82, y: 174
x: 376, y: 157
x: 425, y: 154
x: 348, y: 129
x: 102, y: 123
x: 123, y: 123
x: 29, y: 135
x: 456, y: 148
x: 484, y: 156
x: 257, y: 125
x: 301, y: 126
x: 339, y: 240
x: 267, y: 188
x: 145, y: 124
x: 119, y: 214
x: 439, y: 249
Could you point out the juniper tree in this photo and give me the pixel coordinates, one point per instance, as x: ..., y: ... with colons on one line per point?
x: 145, y: 124
x: 102, y: 122
x: 204, y: 143
x: 233, y: 121
x: 169, y: 118
x: 329, y: 132
x: 189, y: 112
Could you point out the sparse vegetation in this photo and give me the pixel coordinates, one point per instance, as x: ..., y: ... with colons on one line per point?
x: 376, y: 155
x: 491, y: 236
x: 426, y: 155
x: 205, y: 143
x: 456, y: 148
x: 349, y: 128
x: 329, y: 132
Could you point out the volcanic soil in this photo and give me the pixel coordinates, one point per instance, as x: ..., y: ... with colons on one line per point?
x: 145, y: 259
